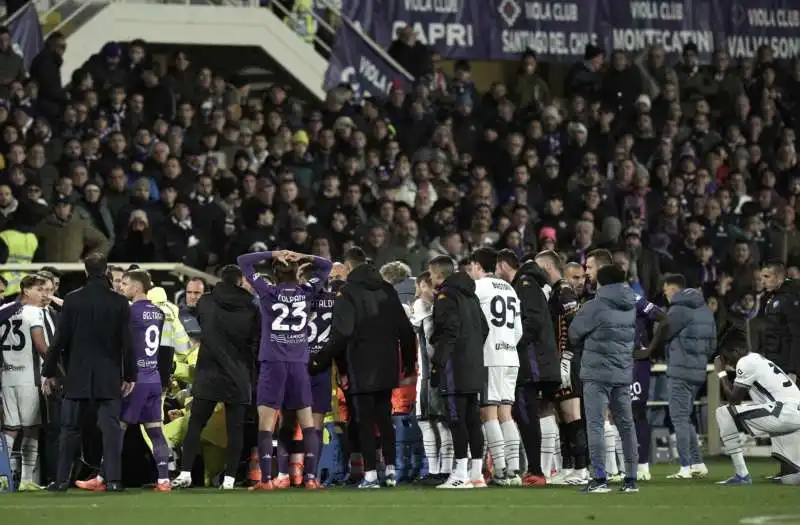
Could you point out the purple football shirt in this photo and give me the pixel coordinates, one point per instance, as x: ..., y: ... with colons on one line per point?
x: 285, y: 310
x: 147, y: 323
x: 646, y: 314
x: 319, y: 327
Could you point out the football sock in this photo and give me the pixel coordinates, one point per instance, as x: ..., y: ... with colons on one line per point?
x: 731, y: 440
x: 371, y: 476
x: 310, y: 445
x: 461, y: 471
x: 565, y: 446
x: 319, y: 444
x: 356, y: 463
x: 160, y: 451
x: 578, y: 445
x: 265, y: 454
x: 430, y: 446
x: 512, y: 445
x: 13, y: 456
x: 494, y: 437
x: 446, y: 448
x: 549, y: 432
x: 475, y: 469
x: 30, y: 454
x: 284, y: 446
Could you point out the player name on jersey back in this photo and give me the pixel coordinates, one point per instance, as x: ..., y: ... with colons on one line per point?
x: 147, y: 325
x: 319, y: 326
x: 21, y: 361
x: 500, y: 306
x: 286, y: 311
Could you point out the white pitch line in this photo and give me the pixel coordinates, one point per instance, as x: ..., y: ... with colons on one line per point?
x: 113, y: 504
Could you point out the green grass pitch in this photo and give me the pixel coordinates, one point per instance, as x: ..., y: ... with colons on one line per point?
x: 660, y: 501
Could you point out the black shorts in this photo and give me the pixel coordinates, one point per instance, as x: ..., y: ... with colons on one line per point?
x: 548, y: 390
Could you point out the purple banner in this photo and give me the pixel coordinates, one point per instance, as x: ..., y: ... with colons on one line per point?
x: 26, y: 33
x: 559, y: 31
x: 362, y: 64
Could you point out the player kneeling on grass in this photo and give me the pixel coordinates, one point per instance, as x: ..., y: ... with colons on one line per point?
x: 775, y: 411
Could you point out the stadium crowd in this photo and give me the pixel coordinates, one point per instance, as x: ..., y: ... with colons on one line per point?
x: 686, y: 170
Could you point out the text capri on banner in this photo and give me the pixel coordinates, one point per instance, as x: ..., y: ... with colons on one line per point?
x: 559, y: 31
x: 359, y: 62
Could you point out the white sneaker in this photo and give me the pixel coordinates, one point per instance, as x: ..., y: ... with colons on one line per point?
x: 228, y: 483
x: 514, y: 481
x: 681, y: 474
x: 643, y: 472
x: 560, y: 476
x: 455, y: 483
x: 699, y: 470
x: 577, y: 478
x: 615, y: 478
x: 183, y: 481
x: 479, y: 483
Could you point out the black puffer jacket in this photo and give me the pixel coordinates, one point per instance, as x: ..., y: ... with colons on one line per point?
x: 459, y: 331
x: 538, y: 354
x: 230, y: 324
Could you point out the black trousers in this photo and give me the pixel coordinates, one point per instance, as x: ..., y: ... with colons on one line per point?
x: 374, y: 410
x: 51, y: 434
x: 464, y: 419
x: 202, y: 410
x: 526, y: 414
x: 72, y: 412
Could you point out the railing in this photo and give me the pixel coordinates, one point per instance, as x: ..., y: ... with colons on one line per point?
x: 174, y: 268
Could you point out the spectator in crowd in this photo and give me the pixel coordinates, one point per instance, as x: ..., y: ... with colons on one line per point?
x: 46, y: 72
x: 407, y: 51
x: 12, y: 69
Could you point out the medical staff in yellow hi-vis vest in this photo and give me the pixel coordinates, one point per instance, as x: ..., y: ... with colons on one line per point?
x: 302, y: 21
x: 21, y: 248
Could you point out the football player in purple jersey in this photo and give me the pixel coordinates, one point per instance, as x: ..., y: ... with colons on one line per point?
x: 283, y: 380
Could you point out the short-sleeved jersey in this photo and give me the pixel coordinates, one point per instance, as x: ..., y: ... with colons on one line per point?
x: 319, y: 326
x: 21, y: 362
x: 765, y: 381
x: 285, y: 312
x: 646, y: 314
x: 147, y: 328
x: 500, y: 306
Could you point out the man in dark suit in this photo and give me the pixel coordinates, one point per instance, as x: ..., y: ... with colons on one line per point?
x: 93, y: 344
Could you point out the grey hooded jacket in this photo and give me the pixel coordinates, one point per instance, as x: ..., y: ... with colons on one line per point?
x: 605, y: 327
x: 691, y: 336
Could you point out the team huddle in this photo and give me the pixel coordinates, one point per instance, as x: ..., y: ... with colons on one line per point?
x: 499, y: 355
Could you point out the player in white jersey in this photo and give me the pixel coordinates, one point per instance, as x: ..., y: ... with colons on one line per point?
x: 23, y: 344
x: 774, y: 412
x: 500, y: 306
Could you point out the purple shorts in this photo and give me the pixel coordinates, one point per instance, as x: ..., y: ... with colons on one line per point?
x: 640, y: 388
x: 283, y: 385
x: 321, y: 393
x: 143, y: 405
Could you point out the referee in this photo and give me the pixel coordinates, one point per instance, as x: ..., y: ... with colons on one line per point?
x: 93, y: 343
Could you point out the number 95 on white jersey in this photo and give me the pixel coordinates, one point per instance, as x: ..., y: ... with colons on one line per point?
x: 501, y: 307
x: 21, y: 363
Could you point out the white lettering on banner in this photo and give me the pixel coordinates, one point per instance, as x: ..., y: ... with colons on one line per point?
x: 673, y: 41
x: 547, y: 43
x: 434, y: 6
x: 434, y: 33
x: 553, y: 11
x: 747, y: 46
x: 380, y: 85
x: 656, y: 11
x: 773, y: 17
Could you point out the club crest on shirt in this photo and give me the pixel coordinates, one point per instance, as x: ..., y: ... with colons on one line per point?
x: 441, y: 296
x: 739, y: 371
